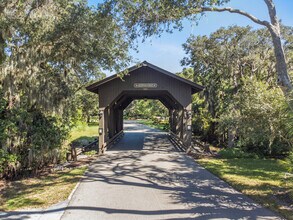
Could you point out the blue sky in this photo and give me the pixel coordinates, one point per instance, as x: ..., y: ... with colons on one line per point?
x: 166, y: 51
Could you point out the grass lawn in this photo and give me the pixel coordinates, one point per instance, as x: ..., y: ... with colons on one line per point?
x: 86, y: 132
x: 152, y: 124
x: 41, y: 191
x: 262, y: 180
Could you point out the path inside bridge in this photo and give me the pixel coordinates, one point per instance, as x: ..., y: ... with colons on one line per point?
x: 145, y: 177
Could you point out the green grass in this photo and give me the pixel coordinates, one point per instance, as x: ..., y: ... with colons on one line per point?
x: 85, y: 133
x: 41, y: 191
x: 157, y: 125
x: 261, y: 179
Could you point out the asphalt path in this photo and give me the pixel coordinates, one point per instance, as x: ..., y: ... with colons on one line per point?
x: 144, y: 177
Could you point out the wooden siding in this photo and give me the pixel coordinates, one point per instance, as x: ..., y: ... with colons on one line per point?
x: 179, y: 90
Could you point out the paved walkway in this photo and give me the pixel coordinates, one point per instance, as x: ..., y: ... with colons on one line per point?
x: 144, y: 177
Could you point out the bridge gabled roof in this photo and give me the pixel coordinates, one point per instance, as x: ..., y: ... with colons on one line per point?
x: 194, y: 86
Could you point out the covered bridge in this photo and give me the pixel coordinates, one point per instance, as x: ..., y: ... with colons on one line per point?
x: 144, y: 81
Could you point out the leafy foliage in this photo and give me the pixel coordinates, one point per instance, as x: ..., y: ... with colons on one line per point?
x: 49, y: 50
x: 6, y: 160
x: 231, y: 153
x: 146, y: 109
x: 144, y: 18
x: 155, y: 113
x: 290, y: 162
x: 241, y: 105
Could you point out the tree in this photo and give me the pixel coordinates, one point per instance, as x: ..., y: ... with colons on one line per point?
x: 148, y: 109
x: 241, y: 105
x: 49, y: 50
x: 56, y: 42
x: 153, y: 16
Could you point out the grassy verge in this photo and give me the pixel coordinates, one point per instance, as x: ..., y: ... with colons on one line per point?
x: 161, y: 125
x: 262, y: 180
x: 85, y: 132
x: 41, y: 191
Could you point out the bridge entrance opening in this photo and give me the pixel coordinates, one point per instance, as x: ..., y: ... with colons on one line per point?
x: 144, y: 82
x: 149, y: 112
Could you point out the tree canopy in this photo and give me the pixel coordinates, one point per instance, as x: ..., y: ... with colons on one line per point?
x: 241, y: 105
x: 48, y: 51
x: 152, y: 17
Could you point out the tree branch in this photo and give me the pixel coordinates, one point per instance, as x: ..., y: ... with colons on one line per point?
x: 236, y: 11
x: 272, y: 11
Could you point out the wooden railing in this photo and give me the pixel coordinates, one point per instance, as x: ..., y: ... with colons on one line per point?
x: 196, y: 146
x: 177, y: 142
x: 201, y: 146
x: 77, y: 150
x: 113, y: 140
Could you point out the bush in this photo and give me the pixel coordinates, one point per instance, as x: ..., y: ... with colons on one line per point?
x: 259, y: 120
x: 230, y: 153
x: 7, y: 161
x: 30, y: 140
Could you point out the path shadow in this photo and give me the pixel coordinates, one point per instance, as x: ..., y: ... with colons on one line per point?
x: 152, y: 162
x: 174, y: 173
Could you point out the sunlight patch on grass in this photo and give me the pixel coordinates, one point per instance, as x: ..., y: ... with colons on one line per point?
x: 40, y: 192
x: 86, y: 132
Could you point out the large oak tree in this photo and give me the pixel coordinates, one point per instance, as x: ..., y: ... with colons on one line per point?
x: 49, y: 49
x: 148, y: 17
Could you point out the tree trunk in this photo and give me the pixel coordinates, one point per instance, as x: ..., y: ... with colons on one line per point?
x: 281, y: 65
x: 2, y: 48
x: 231, y: 137
x: 275, y: 30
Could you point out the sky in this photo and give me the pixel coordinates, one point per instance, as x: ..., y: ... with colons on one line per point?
x: 166, y: 51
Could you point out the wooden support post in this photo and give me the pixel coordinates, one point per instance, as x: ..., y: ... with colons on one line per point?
x: 170, y: 119
x: 179, y: 126
x: 120, y: 119
x: 176, y: 122
x: 173, y: 121
x: 111, y: 122
x: 187, y: 125
x: 102, y: 130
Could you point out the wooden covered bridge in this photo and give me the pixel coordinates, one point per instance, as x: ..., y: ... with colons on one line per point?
x: 144, y: 176
x: 144, y: 81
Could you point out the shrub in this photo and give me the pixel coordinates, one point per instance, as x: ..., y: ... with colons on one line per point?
x: 259, y: 119
x: 30, y: 140
x: 230, y: 153
x: 7, y: 160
